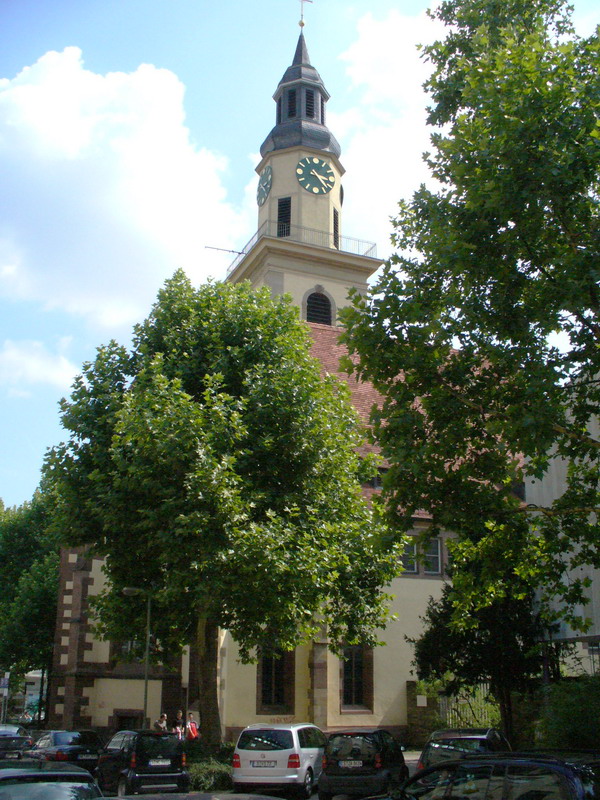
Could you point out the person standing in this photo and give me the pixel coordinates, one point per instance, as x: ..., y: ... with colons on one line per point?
x: 178, y: 726
x: 191, y: 728
x: 161, y: 723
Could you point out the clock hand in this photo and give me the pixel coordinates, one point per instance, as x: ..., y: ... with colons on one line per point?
x: 316, y: 174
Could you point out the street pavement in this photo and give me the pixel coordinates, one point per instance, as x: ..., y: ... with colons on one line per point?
x: 410, y: 756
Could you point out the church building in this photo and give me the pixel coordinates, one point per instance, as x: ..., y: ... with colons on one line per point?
x: 300, y: 248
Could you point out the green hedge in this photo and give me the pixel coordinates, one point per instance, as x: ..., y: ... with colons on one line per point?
x: 571, y: 714
x: 210, y: 776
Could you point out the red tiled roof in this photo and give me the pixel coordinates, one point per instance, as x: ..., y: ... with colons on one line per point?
x: 327, y: 349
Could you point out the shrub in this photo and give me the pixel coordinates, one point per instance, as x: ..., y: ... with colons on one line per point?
x: 571, y: 715
x: 210, y: 776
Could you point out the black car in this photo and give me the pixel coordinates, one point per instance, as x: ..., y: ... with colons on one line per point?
x: 518, y: 776
x: 451, y: 743
x: 46, y: 780
x: 136, y: 760
x: 78, y: 747
x: 12, y: 747
x: 361, y: 763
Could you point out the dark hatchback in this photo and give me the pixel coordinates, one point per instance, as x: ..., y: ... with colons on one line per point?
x: 46, y: 780
x: 12, y: 747
x: 451, y: 743
x: 509, y: 776
x: 77, y: 747
x: 361, y: 763
x: 142, y: 760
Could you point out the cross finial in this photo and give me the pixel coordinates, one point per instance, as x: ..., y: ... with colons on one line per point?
x: 301, y: 23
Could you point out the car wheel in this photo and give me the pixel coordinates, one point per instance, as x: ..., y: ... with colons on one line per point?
x: 122, y: 788
x: 307, y: 786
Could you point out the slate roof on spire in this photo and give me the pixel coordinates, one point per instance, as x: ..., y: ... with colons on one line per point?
x: 302, y: 69
x: 301, y: 130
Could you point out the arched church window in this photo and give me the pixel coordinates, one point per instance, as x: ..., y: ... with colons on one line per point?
x: 318, y: 308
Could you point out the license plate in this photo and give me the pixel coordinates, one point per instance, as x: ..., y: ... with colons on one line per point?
x: 159, y: 762
x: 86, y: 757
x: 263, y: 763
x: 11, y: 755
x: 350, y: 763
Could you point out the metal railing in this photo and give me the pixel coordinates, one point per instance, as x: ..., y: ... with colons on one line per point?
x: 296, y: 233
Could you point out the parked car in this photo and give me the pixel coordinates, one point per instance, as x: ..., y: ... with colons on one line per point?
x: 47, y: 780
x: 451, y: 743
x: 279, y: 757
x: 12, y: 730
x: 136, y: 760
x: 524, y: 776
x: 12, y: 747
x: 361, y: 763
x: 80, y: 747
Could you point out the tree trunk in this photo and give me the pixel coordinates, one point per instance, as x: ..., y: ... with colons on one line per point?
x: 208, y: 651
x: 504, y: 697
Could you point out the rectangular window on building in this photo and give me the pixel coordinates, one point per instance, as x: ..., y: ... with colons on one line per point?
x: 336, y: 229
x: 275, y: 677
x: 432, y: 558
x: 291, y: 103
x: 279, y: 111
x: 322, y: 110
x: 409, y: 557
x: 284, y: 216
x: 310, y: 103
x: 357, y: 678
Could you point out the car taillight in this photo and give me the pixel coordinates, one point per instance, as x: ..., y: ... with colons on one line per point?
x: 183, y: 760
x: 133, y: 761
x: 377, y: 760
x: 294, y: 761
x: 324, y: 762
x: 60, y: 756
x: 237, y: 764
x: 420, y: 765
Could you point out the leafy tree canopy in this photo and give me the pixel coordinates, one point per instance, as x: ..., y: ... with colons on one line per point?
x: 29, y: 580
x: 214, y: 467
x: 483, y: 332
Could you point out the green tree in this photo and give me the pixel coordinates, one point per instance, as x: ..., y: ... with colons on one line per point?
x: 214, y: 467
x: 482, y: 334
x: 503, y: 648
x: 29, y: 580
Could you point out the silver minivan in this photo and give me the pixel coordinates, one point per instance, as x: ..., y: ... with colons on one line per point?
x: 282, y: 757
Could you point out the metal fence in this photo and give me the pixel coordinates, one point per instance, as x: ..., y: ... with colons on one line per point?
x: 474, y: 709
x: 296, y: 233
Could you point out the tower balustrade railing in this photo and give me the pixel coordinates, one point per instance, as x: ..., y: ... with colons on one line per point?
x: 297, y: 233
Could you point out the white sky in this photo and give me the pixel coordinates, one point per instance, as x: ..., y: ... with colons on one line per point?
x: 129, y: 132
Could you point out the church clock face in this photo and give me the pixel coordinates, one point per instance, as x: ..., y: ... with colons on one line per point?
x: 315, y: 175
x: 264, y: 185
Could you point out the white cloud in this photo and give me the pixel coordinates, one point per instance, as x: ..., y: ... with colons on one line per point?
x: 106, y: 194
x: 385, y: 133
x: 29, y: 363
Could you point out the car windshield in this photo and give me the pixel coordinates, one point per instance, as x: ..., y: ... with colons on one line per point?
x: 352, y: 745
x: 11, y: 742
x: 43, y: 789
x: 266, y: 739
x: 158, y: 745
x: 84, y: 738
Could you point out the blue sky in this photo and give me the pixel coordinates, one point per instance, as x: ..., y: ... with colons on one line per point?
x: 129, y: 133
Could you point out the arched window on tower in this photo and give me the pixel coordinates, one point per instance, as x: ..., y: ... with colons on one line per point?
x: 318, y: 308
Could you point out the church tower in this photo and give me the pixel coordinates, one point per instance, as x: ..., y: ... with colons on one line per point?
x: 299, y: 248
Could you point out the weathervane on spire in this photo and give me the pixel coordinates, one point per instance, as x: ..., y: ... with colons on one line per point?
x: 301, y: 23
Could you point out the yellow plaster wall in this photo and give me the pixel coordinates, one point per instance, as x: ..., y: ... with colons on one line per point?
x: 108, y: 694
x: 100, y: 652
